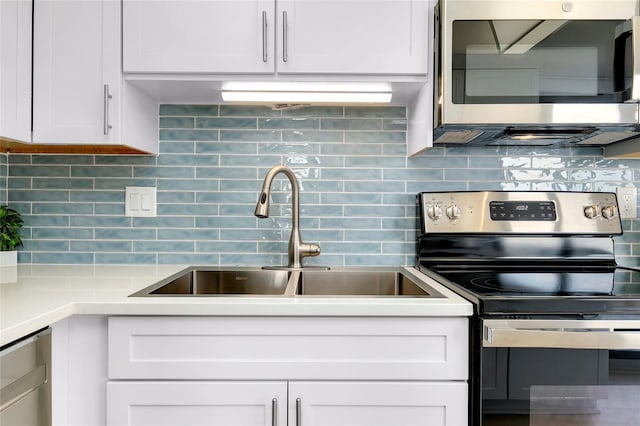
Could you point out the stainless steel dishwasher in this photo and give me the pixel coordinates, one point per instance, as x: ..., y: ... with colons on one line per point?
x: 25, y: 381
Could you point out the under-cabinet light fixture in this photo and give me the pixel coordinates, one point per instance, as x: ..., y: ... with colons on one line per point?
x: 306, y: 92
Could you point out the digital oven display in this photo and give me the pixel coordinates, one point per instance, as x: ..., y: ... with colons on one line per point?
x: 542, y: 211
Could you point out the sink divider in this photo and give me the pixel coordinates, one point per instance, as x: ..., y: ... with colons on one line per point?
x: 292, y: 284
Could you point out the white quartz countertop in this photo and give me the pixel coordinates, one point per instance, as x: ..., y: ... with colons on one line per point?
x: 44, y: 294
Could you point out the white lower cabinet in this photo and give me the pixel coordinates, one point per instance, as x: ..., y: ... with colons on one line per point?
x: 266, y: 403
x: 279, y: 371
x: 377, y: 403
x: 196, y: 403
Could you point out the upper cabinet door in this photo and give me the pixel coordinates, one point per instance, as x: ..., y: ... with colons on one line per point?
x: 76, y: 77
x: 353, y: 36
x: 15, y: 69
x: 196, y: 36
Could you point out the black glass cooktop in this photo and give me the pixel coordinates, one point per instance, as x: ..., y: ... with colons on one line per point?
x: 540, y: 290
x: 535, y: 283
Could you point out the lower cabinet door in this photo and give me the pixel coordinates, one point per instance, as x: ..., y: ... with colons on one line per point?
x: 196, y: 403
x: 377, y: 403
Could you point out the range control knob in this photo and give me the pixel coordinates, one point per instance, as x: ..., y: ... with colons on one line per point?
x: 434, y: 212
x: 609, y: 212
x: 591, y: 211
x: 453, y: 212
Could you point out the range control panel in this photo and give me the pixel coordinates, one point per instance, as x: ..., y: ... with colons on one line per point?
x: 523, y: 210
x: 520, y: 212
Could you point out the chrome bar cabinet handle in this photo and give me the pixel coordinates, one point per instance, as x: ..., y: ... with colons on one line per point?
x: 298, y: 412
x: 264, y: 36
x: 285, y: 44
x: 274, y: 412
x: 107, y: 96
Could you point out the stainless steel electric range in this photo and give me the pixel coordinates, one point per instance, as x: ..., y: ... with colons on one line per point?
x: 555, y: 338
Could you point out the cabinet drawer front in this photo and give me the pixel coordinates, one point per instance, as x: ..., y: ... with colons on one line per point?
x: 287, y: 348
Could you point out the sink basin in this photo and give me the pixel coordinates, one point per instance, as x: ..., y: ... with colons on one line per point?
x: 338, y: 282
x: 202, y: 282
x: 358, y: 283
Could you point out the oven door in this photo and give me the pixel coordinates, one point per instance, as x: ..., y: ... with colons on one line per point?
x: 538, y: 62
x: 557, y: 372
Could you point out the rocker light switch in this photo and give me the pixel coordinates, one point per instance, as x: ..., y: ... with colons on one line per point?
x: 140, y: 201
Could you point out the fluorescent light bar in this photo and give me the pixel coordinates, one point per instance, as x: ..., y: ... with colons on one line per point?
x: 305, y: 86
x: 306, y: 92
x: 306, y: 97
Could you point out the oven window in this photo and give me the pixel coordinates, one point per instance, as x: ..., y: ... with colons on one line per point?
x: 533, y: 61
x: 549, y: 387
x: 584, y: 405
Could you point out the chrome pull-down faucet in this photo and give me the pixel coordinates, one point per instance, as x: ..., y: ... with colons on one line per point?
x: 297, y: 249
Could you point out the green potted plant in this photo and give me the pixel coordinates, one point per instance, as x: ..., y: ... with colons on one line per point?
x: 10, y: 224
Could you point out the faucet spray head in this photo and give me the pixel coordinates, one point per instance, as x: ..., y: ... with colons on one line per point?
x: 262, y: 207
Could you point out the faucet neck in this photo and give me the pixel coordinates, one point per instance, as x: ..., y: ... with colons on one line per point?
x: 295, y: 191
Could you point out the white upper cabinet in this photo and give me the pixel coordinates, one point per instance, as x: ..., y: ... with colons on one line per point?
x: 15, y: 69
x: 196, y: 36
x: 76, y: 69
x: 79, y: 95
x: 269, y: 36
x: 352, y: 36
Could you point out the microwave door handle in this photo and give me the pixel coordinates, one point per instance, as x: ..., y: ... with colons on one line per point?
x: 629, y: 31
x: 635, y: 51
x: 579, y: 338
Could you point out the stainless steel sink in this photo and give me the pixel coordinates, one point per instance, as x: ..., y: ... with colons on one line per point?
x: 359, y: 283
x: 227, y: 282
x: 338, y: 282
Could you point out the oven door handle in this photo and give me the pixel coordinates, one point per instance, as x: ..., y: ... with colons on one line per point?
x: 620, y: 335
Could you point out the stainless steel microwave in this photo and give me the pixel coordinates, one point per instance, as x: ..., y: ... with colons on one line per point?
x: 536, y: 72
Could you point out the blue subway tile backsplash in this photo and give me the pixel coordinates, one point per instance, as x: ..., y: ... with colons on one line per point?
x: 357, y: 188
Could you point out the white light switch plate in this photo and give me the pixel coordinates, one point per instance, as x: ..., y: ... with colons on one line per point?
x: 140, y: 201
x: 627, y: 202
